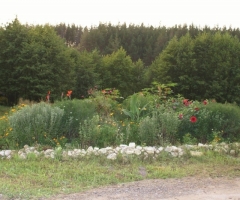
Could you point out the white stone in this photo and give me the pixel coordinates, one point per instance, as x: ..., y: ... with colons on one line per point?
x: 2, y: 153
x: 109, y: 148
x: 168, y: 149
x: 232, y: 152
x: 95, y: 148
x: 149, y: 150
x: 102, y: 151
x: 174, y: 153
x: 129, y: 151
x: 48, y: 151
x: 8, y: 153
x: 90, y: 149
x: 132, y: 144
x: 26, y: 146
x: 174, y: 149
x: 31, y: 148
x: 112, y: 156
x: 139, y: 147
x: 117, y: 149
x: 137, y: 151
x: 52, y: 155
x: 70, y: 153
x: 160, y: 149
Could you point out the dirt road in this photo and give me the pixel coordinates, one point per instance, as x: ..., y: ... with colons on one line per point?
x: 190, y: 188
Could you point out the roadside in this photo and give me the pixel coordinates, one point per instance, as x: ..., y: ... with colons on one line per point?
x: 189, y: 188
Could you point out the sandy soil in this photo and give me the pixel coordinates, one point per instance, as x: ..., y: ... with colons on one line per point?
x: 190, y: 188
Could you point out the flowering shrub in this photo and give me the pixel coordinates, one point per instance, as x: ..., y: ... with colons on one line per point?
x: 143, y: 118
x: 75, y: 112
x: 38, y: 123
x: 5, y: 131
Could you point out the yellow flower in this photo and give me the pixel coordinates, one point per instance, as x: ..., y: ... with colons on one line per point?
x: 6, y: 134
x: 111, y: 114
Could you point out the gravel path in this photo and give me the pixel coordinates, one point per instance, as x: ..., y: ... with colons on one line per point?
x: 192, y: 188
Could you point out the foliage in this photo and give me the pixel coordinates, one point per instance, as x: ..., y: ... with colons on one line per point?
x: 75, y: 112
x: 203, y: 67
x: 119, y: 66
x: 41, y: 63
x: 39, y: 123
x: 228, y: 125
x: 98, y: 132
x: 135, y: 107
x: 5, y: 130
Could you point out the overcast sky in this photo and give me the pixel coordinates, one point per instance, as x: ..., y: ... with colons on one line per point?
x: 150, y: 12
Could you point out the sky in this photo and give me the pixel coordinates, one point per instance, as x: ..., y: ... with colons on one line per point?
x: 149, y: 12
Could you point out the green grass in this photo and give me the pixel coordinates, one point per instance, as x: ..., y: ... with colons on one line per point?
x: 39, y: 177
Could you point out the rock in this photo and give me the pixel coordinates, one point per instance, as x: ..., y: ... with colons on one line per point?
x: 137, y: 151
x: 2, y: 153
x: 168, y: 149
x: 149, y: 150
x: 8, y: 153
x: 102, y: 151
x: 232, y: 152
x: 112, y: 156
x: 132, y: 144
x: 90, y: 150
x: 160, y: 149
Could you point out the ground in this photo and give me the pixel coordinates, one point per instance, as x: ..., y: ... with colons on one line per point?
x: 189, y: 188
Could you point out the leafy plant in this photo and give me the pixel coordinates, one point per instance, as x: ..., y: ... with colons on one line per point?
x: 39, y: 123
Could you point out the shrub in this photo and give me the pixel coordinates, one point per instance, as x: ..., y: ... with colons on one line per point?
x: 98, y: 132
x: 38, y: 123
x: 75, y: 112
x: 228, y: 124
x: 160, y: 128
x: 5, y: 131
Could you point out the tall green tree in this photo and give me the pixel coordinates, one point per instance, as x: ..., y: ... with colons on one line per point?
x: 34, y: 61
x: 203, y: 67
x: 87, y: 71
x: 12, y: 37
x: 120, y: 68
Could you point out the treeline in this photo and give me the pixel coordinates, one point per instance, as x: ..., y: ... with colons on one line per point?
x: 205, y: 63
x: 140, y: 42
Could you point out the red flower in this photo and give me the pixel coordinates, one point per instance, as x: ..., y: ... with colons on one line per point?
x: 193, y: 119
x: 197, y: 109
x: 186, y: 102
x: 205, y: 102
x: 180, y: 116
x: 69, y: 93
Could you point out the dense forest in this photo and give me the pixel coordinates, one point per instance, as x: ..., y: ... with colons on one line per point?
x: 204, y: 62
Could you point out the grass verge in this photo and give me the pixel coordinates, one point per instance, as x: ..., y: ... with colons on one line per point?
x: 40, y: 177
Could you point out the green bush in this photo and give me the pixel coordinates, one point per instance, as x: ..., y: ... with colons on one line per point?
x: 98, y: 132
x: 75, y: 112
x: 228, y: 124
x: 161, y: 128
x: 38, y: 123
